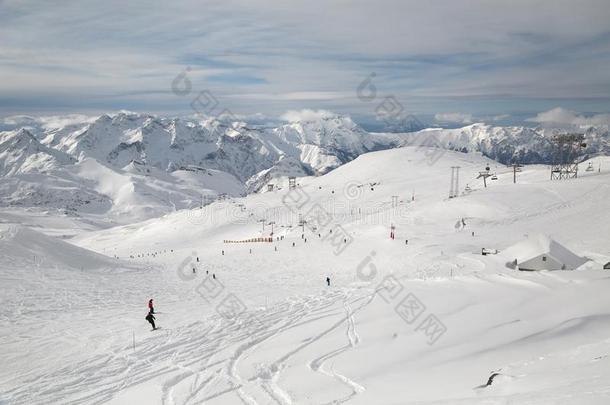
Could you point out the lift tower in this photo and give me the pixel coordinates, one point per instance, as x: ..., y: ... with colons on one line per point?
x: 566, y: 148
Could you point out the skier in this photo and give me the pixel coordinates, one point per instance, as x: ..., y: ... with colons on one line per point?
x: 328, y: 281
x: 194, y: 270
x: 151, y: 319
x: 214, y: 276
x: 151, y: 308
x: 197, y: 259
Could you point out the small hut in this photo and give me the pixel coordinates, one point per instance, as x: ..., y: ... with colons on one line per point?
x: 540, y: 252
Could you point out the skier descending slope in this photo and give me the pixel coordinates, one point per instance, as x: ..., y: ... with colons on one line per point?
x: 151, y: 308
x: 151, y: 319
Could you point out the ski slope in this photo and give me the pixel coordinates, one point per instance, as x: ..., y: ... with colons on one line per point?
x: 73, y: 329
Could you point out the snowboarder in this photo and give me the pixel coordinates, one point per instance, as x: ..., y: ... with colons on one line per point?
x: 151, y: 307
x: 328, y: 281
x: 151, y: 319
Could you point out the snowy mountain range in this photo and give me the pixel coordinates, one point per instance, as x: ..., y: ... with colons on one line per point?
x: 144, y: 165
x: 522, y: 145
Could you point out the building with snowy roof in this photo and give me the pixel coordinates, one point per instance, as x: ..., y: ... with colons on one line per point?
x: 540, y: 252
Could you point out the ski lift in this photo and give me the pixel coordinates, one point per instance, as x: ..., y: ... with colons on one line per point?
x: 590, y: 167
x: 494, y: 177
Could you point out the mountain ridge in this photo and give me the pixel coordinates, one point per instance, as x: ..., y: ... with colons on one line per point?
x: 141, y: 148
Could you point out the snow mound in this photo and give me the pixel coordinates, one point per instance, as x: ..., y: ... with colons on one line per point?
x: 21, y: 243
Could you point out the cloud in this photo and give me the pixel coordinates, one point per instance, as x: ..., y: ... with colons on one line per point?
x: 53, y: 122
x: 562, y: 116
x: 500, y: 117
x: 306, y: 115
x: 289, y: 55
x: 45, y: 122
x: 457, y: 117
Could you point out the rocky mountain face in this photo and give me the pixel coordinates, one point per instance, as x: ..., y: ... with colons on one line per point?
x: 522, y: 145
x: 21, y: 152
x: 239, y: 149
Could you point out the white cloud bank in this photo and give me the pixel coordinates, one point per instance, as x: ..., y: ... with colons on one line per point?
x: 568, y: 117
x: 306, y: 115
x: 461, y: 118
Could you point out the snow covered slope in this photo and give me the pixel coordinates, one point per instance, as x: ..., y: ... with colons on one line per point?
x: 421, y: 318
x: 26, y: 245
x: 61, y: 175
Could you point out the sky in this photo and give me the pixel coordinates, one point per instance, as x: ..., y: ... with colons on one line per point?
x: 451, y: 61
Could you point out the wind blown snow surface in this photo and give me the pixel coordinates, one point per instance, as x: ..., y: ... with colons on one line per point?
x: 423, y: 318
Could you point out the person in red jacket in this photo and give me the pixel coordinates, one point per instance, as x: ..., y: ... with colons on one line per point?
x: 150, y: 306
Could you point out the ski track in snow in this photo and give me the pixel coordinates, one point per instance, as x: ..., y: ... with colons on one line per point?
x: 318, y: 363
x: 187, y: 355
